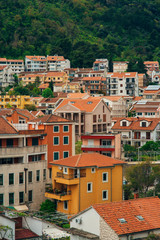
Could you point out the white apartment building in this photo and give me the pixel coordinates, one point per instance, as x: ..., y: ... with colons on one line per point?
x: 57, y: 63
x: 17, y: 66
x: 122, y: 84
x: 6, y: 76
x: 101, y: 64
x: 119, y: 66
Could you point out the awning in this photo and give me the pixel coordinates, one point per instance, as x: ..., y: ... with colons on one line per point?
x: 21, y: 208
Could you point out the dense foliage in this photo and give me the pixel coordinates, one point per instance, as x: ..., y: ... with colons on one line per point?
x: 81, y: 30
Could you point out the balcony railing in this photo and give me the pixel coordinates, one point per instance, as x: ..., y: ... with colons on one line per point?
x: 99, y: 146
x: 69, y: 176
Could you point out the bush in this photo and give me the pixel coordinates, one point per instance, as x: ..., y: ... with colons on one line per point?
x: 48, y: 206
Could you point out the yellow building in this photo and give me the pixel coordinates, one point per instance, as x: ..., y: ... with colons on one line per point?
x: 82, y: 180
x: 15, y: 101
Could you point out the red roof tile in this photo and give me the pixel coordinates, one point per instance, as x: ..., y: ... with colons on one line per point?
x: 50, y: 119
x: 6, y: 127
x: 148, y: 208
x: 88, y: 160
x: 24, y: 234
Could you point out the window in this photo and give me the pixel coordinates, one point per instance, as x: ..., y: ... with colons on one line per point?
x: 140, y: 218
x: 143, y: 124
x: 11, y: 198
x: 30, y: 196
x: 65, y: 205
x: 36, y: 158
x: 65, y: 128
x: 89, y: 187
x: 30, y: 176
x: 1, y: 179
x: 121, y: 85
x: 9, y: 142
x: 20, y: 177
x: 93, y: 170
x: 105, y: 177
x: 34, y: 141
x: 44, y: 174
x: 121, y: 91
x: 56, y: 129
x: 1, y: 199
x: 50, y: 172
x: 65, y: 154
x: 11, y: 178
x: 122, y: 220
x: 21, y: 197
x: 104, y: 117
x: 55, y: 155
x: 124, y: 124
x: 38, y: 175
x: 65, y: 170
x: 66, y: 140
x: 56, y: 140
x: 105, y: 195
x: 94, y: 118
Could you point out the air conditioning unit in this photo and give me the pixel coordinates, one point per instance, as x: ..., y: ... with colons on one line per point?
x: 79, y: 220
x: 99, y: 120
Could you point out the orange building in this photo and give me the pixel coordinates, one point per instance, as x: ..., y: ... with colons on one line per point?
x: 85, y: 179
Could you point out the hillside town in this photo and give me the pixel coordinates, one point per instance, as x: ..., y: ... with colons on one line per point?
x: 81, y: 145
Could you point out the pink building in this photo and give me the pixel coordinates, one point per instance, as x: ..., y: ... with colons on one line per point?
x: 106, y: 144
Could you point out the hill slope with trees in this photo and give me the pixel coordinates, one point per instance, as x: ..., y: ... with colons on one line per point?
x: 81, y: 30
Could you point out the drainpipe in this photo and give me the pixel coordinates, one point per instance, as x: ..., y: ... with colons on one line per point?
x: 79, y: 189
x: 111, y: 184
x: 25, y: 173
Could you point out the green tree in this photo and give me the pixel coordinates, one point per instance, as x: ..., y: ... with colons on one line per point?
x: 78, y: 147
x: 153, y: 236
x: 48, y: 206
x: 150, y: 146
x: 37, y: 82
x: 51, y: 85
x: 47, y: 93
x: 31, y: 107
x: 140, y: 177
x: 15, y: 79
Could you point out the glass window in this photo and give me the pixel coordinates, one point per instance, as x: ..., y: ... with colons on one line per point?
x: 56, y: 155
x: 11, y: 198
x: 56, y: 129
x: 30, y: 176
x: 38, y: 175
x: 50, y: 172
x: 21, y: 197
x: 65, y: 170
x: 9, y: 142
x: 65, y: 205
x: 65, y: 154
x: 65, y: 140
x: 105, y: 177
x: 93, y: 170
x: 34, y: 141
x: 1, y: 199
x: 44, y: 174
x: 56, y: 140
x: 105, y: 195
x: 89, y: 187
x: 65, y: 128
x: 30, y: 195
x: 20, y: 177
x: 1, y: 179
x: 11, y: 178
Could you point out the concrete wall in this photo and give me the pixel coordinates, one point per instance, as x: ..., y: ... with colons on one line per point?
x: 10, y: 234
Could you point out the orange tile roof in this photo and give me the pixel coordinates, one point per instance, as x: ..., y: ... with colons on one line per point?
x: 135, y: 123
x: 151, y: 91
x: 88, y: 160
x: 93, y: 78
x: 44, y: 86
x: 77, y: 95
x: 137, y: 98
x: 124, y: 75
x: 87, y: 105
x: 55, y: 74
x: 10, y: 60
x: 151, y: 62
x: 113, y: 98
x: 148, y: 208
x: 6, y: 127
x: 50, y: 119
x: 2, y: 67
x: 55, y: 58
x: 5, y: 112
x: 37, y: 58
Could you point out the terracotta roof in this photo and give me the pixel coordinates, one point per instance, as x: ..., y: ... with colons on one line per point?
x: 120, y: 62
x: 32, y: 76
x: 6, y: 127
x: 10, y: 60
x: 5, y: 112
x: 135, y: 123
x: 25, y: 113
x: 113, y: 98
x: 93, y: 78
x: 124, y: 75
x: 37, y: 113
x: 88, y: 160
x: 2, y: 67
x: 147, y: 208
x: 44, y: 86
x: 55, y: 74
x: 55, y: 58
x: 151, y: 62
x: 24, y: 234
x: 77, y: 95
x: 49, y: 100
x: 37, y: 58
x: 51, y: 118
x: 137, y: 98
x: 87, y: 105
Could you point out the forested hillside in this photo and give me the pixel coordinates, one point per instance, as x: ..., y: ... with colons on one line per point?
x: 81, y: 30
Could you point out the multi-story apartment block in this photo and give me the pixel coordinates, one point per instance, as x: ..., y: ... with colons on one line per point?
x: 142, y: 80
x: 106, y: 144
x: 17, y: 66
x: 100, y: 64
x: 23, y: 166
x: 85, y: 179
x: 15, y: 101
x: 90, y: 115
x: 146, y: 109
x: 6, y: 76
x: 49, y: 63
x: 120, y: 66
x: 122, y: 84
x: 152, y: 93
x: 151, y: 66
x: 57, y: 63
x: 94, y: 84
x: 137, y: 131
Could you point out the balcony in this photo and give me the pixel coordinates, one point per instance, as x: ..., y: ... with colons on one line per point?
x: 98, y: 147
x: 12, y: 151
x: 68, y: 179
x: 58, y: 195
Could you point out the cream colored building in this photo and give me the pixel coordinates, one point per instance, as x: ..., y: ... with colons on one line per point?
x: 119, y: 66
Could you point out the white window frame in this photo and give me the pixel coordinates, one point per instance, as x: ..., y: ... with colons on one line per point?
x: 64, y: 205
x: 107, y: 195
x: 65, y: 152
x: 65, y: 170
x: 53, y: 156
x: 93, y: 170
x: 91, y: 187
x: 54, y: 130
x: 58, y: 141
x: 65, y: 126
x: 106, y: 177
x: 63, y: 140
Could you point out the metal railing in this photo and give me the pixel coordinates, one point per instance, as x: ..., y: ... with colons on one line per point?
x: 69, y: 176
x: 99, y: 146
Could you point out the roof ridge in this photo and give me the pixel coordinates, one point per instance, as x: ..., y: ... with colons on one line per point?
x: 78, y: 160
x: 10, y: 124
